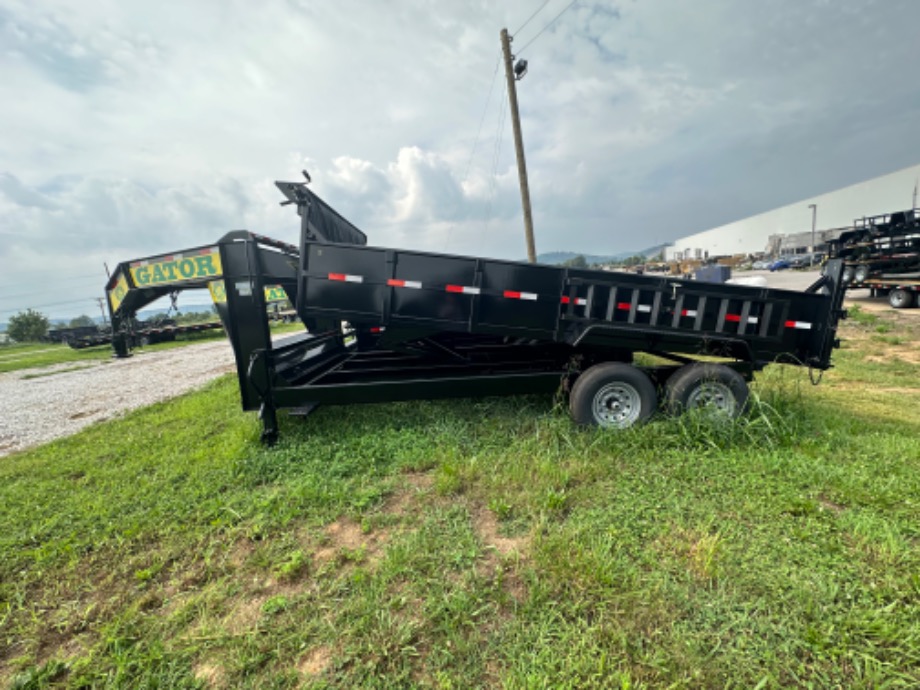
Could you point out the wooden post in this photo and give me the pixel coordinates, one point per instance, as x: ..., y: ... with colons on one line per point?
x: 519, y: 148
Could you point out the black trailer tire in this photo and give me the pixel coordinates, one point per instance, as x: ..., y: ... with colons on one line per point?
x: 861, y: 273
x: 899, y: 298
x: 613, y: 395
x: 704, y: 385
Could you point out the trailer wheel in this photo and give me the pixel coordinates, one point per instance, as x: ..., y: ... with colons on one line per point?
x: 861, y: 273
x: 613, y: 395
x: 703, y: 385
x: 899, y: 298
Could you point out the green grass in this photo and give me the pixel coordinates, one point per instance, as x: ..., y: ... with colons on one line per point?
x: 32, y: 355
x: 477, y: 543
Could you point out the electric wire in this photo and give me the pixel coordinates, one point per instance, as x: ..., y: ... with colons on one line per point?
x: 49, y: 304
x: 540, y: 9
x: 496, y: 155
x: 482, y: 120
x: 540, y: 33
x: 3, y: 286
x: 39, y: 291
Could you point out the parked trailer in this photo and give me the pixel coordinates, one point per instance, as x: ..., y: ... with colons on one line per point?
x: 385, y: 324
x: 879, y: 248
x: 902, y: 291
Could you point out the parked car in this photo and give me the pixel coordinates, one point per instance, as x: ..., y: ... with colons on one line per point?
x: 780, y: 264
x: 761, y: 265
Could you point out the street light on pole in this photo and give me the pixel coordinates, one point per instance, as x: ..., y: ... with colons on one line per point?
x: 814, y: 216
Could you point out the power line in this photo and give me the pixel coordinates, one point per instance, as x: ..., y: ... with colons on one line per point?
x: 65, y: 279
x: 531, y: 17
x: 540, y: 33
x: 50, y: 304
x: 39, y: 291
x: 496, y: 156
x: 482, y: 119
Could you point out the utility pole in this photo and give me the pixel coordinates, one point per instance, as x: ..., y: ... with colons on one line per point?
x: 510, y: 74
x: 814, y: 216
x: 101, y: 301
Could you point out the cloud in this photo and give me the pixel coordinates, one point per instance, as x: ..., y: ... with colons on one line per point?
x: 136, y: 128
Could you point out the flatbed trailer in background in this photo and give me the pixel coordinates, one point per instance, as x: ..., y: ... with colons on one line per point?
x: 879, y: 248
x: 902, y: 291
x: 384, y: 324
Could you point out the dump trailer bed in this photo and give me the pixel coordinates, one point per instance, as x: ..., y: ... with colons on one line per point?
x: 385, y: 324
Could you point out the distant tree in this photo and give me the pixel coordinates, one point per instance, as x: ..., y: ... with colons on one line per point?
x: 576, y: 262
x: 82, y: 320
x: 634, y: 260
x: 28, y: 326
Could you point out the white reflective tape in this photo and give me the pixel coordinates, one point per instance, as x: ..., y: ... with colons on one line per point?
x: 752, y: 319
x: 470, y: 290
x: 580, y: 301
x: 414, y: 284
x: 804, y: 325
x: 353, y: 279
x: 644, y: 307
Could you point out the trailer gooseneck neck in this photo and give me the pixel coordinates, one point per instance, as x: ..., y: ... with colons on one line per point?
x: 386, y: 324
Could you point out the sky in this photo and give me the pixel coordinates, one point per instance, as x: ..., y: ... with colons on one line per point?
x: 133, y: 128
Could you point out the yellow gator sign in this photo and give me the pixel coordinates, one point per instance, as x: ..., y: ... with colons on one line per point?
x: 273, y: 293
x: 117, y: 293
x: 177, y: 268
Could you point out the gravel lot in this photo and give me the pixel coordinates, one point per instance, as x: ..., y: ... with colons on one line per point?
x: 60, y: 402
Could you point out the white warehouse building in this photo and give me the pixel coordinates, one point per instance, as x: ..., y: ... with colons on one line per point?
x: 838, y: 209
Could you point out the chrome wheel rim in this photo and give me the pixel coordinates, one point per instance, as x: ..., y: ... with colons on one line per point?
x: 617, y: 405
x: 712, y: 395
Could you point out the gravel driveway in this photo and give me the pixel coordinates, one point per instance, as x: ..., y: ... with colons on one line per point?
x: 60, y: 402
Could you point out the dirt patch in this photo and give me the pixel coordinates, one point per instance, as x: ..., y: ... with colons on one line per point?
x: 315, y: 662
x: 828, y: 504
x: 241, y: 553
x: 486, y: 525
x: 245, y: 615
x: 346, y: 537
x: 891, y: 353
x: 415, y: 485
x: 498, y: 550
x: 211, y: 674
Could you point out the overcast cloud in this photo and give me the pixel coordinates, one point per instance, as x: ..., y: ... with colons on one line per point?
x: 131, y: 128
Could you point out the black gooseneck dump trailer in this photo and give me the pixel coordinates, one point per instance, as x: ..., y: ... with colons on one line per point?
x: 387, y: 324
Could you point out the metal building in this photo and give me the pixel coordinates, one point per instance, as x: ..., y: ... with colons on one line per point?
x: 788, y: 229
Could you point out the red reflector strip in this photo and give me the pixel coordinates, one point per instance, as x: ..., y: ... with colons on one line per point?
x: 462, y: 289
x: 393, y: 282
x: 688, y: 312
x: 511, y: 294
x: 378, y: 329
x: 345, y: 277
x: 624, y: 306
x: 579, y: 301
x: 733, y: 317
x: 798, y: 324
